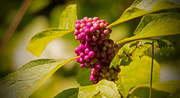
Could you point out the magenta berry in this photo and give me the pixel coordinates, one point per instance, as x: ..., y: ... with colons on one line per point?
x: 86, y: 58
x: 81, y: 60
x: 91, y: 54
x: 92, y: 78
x: 82, y: 65
x: 82, y: 55
x: 77, y: 26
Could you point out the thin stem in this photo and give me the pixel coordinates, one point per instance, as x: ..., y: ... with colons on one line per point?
x: 17, y: 19
x: 120, y: 94
x: 150, y: 92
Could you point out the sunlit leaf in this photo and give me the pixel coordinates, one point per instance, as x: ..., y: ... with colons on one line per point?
x: 68, y: 17
x: 138, y: 72
x: 29, y: 77
x: 156, y: 25
x: 130, y: 51
x: 83, y: 77
x: 39, y: 41
x: 69, y: 93
x: 142, y: 7
x: 104, y: 88
x: 159, y: 25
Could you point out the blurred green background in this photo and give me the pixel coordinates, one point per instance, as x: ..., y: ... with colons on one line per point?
x: 43, y: 14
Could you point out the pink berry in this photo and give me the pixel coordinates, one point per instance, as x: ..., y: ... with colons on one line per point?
x: 82, y: 55
x: 77, y: 26
x: 81, y: 65
x: 81, y: 60
x: 86, y: 50
x: 106, y: 31
x: 82, y: 25
x: 92, y: 78
x: 89, y: 24
x: 83, y: 21
x: 98, y: 67
x: 76, y: 50
x: 81, y: 47
x: 91, y: 54
x: 101, y: 25
x: 86, y: 58
x: 87, y: 31
x: 78, y: 21
x: 90, y: 20
x: 96, y: 26
x: 95, y: 18
x: 102, y: 21
x: 94, y: 38
x: 92, y: 29
x: 76, y: 32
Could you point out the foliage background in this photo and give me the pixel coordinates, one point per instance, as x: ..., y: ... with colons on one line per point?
x: 44, y: 14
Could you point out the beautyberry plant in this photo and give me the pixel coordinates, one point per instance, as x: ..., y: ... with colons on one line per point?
x: 107, y: 70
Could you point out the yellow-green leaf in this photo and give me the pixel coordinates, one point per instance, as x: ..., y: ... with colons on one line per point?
x: 104, y: 88
x: 142, y: 7
x: 137, y: 73
x: 69, y: 93
x: 156, y: 25
x: 39, y: 41
x: 29, y: 77
x: 68, y: 17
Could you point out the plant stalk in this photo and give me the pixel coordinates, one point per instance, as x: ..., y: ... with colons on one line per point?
x: 150, y: 91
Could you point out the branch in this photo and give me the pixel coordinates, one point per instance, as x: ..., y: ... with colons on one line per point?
x: 14, y: 24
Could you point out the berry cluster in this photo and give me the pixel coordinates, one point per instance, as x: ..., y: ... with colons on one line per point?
x: 96, y: 48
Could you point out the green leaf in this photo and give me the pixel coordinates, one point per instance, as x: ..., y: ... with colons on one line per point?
x: 83, y: 77
x: 68, y: 17
x: 156, y: 25
x: 143, y: 92
x: 38, y: 5
x: 138, y: 72
x: 69, y: 93
x: 29, y: 77
x: 165, y: 47
x: 160, y: 89
x: 143, y: 7
x: 104, y: 88
x: 175, y: 94
x: 130, y: 51
x: 167, y: 86
x: 39, y: 41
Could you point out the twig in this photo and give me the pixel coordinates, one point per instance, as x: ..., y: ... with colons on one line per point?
x: 17, y: 19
